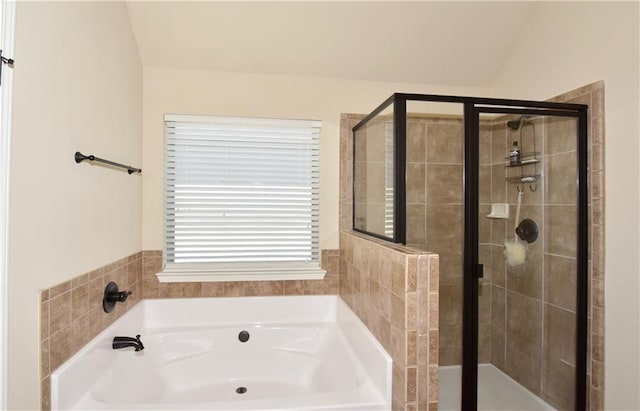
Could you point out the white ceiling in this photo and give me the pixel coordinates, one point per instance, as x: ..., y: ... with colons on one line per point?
x: 448, y: 43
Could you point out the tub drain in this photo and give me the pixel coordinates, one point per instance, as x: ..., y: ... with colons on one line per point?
x: 241, y: 390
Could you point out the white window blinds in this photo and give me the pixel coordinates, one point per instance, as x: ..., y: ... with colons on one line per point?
x: 241, y: 194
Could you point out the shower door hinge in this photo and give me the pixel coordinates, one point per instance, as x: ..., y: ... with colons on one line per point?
x: 4, y: 60
x: 480, y: 271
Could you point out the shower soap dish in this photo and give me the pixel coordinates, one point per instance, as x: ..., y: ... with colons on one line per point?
x: 499, y: 210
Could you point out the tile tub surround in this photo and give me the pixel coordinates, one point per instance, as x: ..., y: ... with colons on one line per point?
x: 394, y: 291
x: 71, y: 313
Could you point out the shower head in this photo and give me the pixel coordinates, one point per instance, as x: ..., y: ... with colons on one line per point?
x: 515, y: 124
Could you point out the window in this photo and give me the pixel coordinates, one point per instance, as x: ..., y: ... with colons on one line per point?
x: 241, y: 199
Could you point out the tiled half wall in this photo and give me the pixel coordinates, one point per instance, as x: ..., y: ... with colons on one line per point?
x: 394, y: 291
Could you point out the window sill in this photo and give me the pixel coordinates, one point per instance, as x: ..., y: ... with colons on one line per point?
x: 184, y: 276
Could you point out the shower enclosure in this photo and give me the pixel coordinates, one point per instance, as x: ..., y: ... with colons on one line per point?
x: 498, y: 188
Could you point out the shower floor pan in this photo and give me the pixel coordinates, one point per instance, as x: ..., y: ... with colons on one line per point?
x: 496, y: 391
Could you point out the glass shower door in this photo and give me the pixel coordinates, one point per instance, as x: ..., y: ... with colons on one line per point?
x: 529, y: 324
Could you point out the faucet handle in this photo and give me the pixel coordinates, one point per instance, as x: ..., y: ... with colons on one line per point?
x: 121, y: 296
x: 112, y: 296
x: 139, y: 347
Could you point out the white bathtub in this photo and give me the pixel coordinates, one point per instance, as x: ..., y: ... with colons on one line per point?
x: 303, y: 353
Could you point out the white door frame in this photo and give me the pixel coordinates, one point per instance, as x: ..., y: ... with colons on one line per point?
x: 7, y: 22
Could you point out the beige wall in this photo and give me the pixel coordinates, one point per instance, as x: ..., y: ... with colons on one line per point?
x: 78, y: 86
x: 252, y: 95
x: 567, y: 45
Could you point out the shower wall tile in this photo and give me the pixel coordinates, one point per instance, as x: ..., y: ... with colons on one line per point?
x: 560, y: 135
x: 450, y: 305
x: 444, y: 142
x: 485, y: 142
x: 484, y: 224
x: 498, y: 184
x: 560, y: 233
x: 524, y: 318
x: 450, y: 344
x: 444, y: 228
x: 559, y: 334
x: 484, y: 179
x: 451, y: 269
x: 444, y: 184
x: 498, y: 347
x: 558, y: 382
x: 416, y: 143
x: 523, y: 361
x: 484, y: 344
x: 484, y: 303
x: 530, y: 282
x: 415, y: 183
x: 498, y: 268
x: 499, y: 142
x: 416, y: 225
x: 560, y: 281
x: 345, y: 207
x: 560, y: 178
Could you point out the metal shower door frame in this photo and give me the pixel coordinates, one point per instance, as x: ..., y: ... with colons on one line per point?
x: 473, y: 270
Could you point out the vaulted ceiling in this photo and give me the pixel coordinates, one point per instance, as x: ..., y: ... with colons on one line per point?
x: 448, y: 43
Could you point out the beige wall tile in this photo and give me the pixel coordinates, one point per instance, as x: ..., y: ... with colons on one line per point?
x: 560, y: 334
x: 523, y: 361
x: 524, y: 318
x: 444, y: 184
x: 416, y: 141
x: 530, y: 282
x: 450, y: 344
x: 444, y: 142
x: 560, y: 178
x: 60, y: 347
x: 484, y: 344
x: 44, y: 320
x: 485, y: 143
x: 561, y: 135
x: 560, y: 233
x: 498, y: 347
x: 558, y: 383
x: 498, y: 142
x: 59, y: 312
x: 445, y: 228
x: 560, y: 281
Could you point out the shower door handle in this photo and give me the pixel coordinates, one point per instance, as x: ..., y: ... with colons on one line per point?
x: 480, y: 271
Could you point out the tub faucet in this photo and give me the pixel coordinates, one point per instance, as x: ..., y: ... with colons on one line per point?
x: 123, y: 342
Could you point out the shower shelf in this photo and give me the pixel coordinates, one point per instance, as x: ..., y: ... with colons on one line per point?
x: 524, y: 178
x: 527, y: 158
x: 523, y: 163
